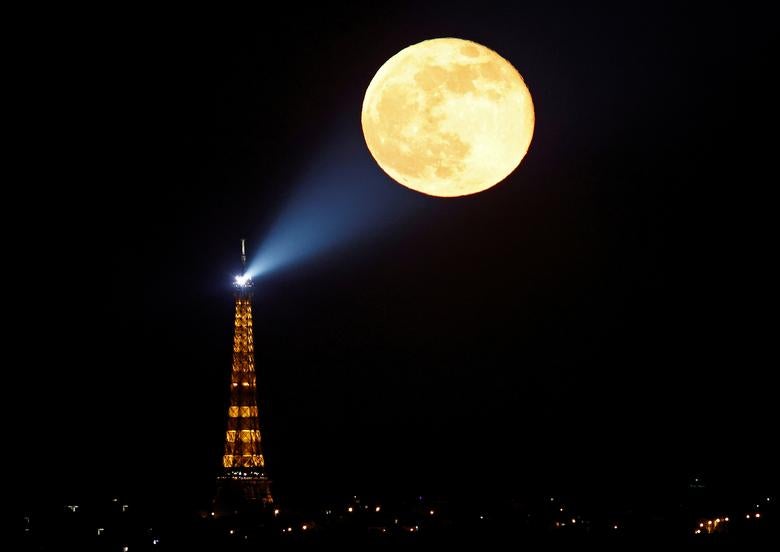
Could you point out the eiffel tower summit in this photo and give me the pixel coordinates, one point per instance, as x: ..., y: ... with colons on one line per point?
x: 242, y: 483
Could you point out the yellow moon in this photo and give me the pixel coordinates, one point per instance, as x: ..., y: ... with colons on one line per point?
x: 448, y: 117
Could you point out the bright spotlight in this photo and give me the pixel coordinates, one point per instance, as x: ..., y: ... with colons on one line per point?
x: 241, y: 280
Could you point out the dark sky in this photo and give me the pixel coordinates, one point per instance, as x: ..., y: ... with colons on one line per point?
x: 601, y: 321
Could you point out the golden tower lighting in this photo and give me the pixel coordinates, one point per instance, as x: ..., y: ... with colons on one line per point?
x: 243, y: 482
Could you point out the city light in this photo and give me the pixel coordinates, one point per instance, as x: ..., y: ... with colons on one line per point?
x: 712, y: 526
x: 414, y: 522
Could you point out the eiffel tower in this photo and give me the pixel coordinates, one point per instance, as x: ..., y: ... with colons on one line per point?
x: 242, y: 483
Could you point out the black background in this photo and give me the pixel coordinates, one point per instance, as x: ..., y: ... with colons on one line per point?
x: 600, y: 322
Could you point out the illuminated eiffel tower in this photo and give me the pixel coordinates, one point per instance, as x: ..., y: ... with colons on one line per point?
x: 242, y: 482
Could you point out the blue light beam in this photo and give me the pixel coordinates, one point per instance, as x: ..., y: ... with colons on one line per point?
x: 342, y: 197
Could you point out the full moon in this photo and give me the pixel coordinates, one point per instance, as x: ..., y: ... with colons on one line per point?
x: 448, y: 117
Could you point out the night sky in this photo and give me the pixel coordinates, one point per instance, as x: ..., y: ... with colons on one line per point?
x: 600, y: 322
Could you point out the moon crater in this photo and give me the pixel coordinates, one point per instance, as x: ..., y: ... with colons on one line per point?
x: 447, y: 117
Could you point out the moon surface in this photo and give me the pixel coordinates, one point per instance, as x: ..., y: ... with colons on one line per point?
x: 448, y: 117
